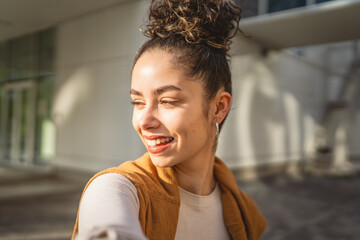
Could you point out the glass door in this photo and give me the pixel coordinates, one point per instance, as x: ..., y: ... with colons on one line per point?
x: 18, y: 123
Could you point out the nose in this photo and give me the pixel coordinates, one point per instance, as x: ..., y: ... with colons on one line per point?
x: 148, y: 119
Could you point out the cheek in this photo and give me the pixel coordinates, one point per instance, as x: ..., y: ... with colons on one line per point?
x: 191, y: 124
x: 173, y: 121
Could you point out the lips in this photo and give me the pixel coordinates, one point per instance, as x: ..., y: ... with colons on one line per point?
x: 157, y: 144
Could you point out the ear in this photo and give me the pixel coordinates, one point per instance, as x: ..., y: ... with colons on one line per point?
x: 222, y: 104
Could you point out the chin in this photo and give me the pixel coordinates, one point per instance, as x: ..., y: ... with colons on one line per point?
x: 161, y: 162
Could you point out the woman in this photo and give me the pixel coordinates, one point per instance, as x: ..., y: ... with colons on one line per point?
x: 181, y: 91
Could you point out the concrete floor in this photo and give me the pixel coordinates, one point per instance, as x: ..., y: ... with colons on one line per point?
x: 303, y: 207
x: 297, y: 207
x: 36, y: 206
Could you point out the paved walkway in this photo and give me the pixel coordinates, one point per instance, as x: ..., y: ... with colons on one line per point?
x: 36, y: 207
x: 297, y: 208
x: 303, y: 207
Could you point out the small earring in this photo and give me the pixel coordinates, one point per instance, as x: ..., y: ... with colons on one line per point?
x: 217, y: 129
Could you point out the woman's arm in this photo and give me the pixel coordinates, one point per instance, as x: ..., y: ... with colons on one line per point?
x: 110, y: 207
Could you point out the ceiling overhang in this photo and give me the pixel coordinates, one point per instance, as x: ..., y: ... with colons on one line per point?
x: 19, y: 17
x: 315, y: 24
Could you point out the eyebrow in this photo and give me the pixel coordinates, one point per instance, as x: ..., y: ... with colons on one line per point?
x: 166, y: 89
x: 158, y: 91
x: 134, y: 92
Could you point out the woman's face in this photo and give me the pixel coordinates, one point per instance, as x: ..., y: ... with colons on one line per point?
x: 169, y: 111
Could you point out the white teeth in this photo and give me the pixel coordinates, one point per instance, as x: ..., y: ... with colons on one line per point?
x: 158, y: 141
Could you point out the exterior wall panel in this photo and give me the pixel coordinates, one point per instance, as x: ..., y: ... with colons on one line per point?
x: 92, y: 107
x: 278, y: 97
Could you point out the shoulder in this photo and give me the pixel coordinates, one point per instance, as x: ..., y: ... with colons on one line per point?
x: 111, y: 183
x: 110, y: 187
x: 145, y: 177
x: 109, y: 199
x: 109, y: 203
x: 125, y: 180
x: 134, y: 172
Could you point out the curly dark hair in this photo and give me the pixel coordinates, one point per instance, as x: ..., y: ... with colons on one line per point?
x: 210, y: 22
x: 198, y: 34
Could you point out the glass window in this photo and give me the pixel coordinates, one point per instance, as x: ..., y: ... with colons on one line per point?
x: 28, y: 58
x: 280, y: 5
x: 3, y: 59
x: 45, y: 129
x: 47, y: 50
x: 24, y: 98
x: 1, y: 116
x: 23, y: 57
x: 9, y: 120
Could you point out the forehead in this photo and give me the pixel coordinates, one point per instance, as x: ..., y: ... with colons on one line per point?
x: 156, y: 57
x: 156, y: 68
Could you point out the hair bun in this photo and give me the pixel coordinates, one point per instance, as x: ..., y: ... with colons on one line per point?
x: 213, y: 22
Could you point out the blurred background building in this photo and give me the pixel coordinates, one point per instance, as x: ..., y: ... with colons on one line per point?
x: 65, y: 77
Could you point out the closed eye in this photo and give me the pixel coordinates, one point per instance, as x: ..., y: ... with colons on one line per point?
x: 168, y: 102
x: 137, y: 103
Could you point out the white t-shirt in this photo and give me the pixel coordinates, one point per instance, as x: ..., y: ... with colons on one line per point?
x: 110, y: 206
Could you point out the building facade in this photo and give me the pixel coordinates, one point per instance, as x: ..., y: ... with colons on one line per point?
x: 65, y: 84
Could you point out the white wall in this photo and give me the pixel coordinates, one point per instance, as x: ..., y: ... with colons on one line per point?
x: 276, y: 101
x: 278, y: 98
x: 92, y: 109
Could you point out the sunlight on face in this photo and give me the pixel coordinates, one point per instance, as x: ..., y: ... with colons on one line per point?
x: 168, y: 112
x: 147, y: 70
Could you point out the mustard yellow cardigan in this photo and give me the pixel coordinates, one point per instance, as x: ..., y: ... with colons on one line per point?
x: 160, y: 201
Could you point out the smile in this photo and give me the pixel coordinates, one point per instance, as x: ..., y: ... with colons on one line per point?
x: 159, y: 141
x: 157, y: 144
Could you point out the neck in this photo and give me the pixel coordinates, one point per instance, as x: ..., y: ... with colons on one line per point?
x: 197, y: 177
